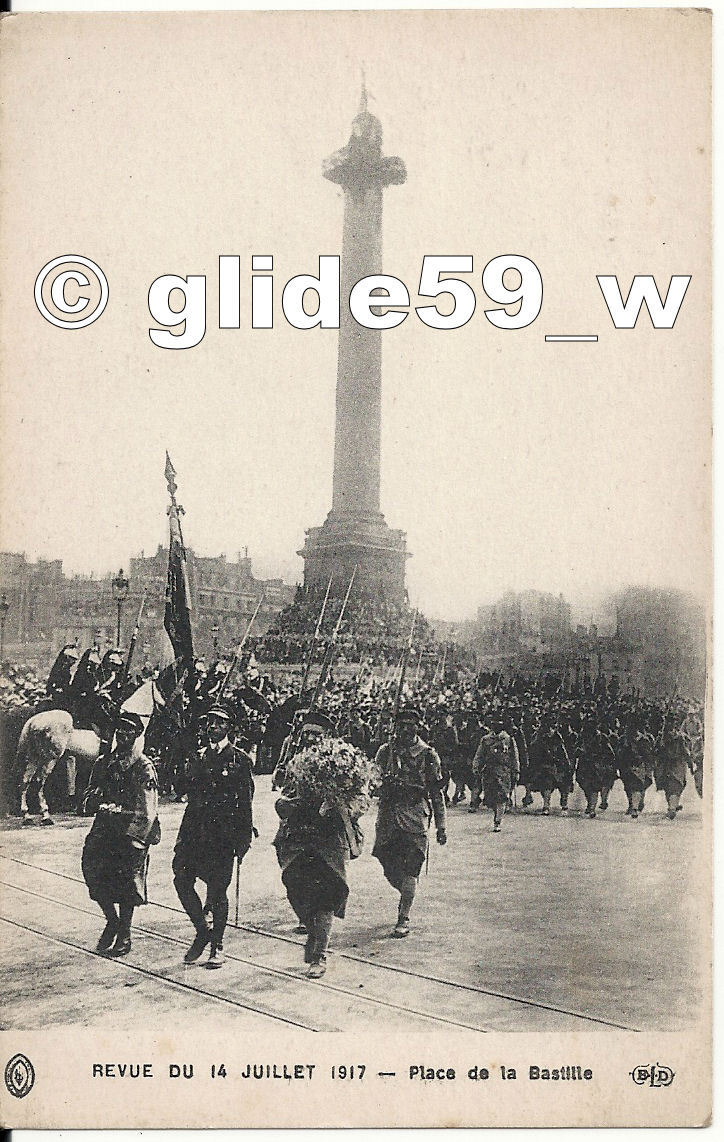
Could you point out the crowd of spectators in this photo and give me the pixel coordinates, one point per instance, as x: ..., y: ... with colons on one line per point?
x: 20, y: 687
x: 374, y: 631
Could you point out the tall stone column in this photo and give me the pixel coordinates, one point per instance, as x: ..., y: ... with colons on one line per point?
x: 362, y: 172
x: 355, y: 533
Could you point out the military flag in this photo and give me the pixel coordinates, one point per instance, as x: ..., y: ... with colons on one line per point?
x: 177, y: 615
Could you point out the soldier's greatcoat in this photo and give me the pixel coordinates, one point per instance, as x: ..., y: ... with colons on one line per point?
x: 549, y: 765
x: 312, y: 850
x: 115, y: 853
x: 597, y: 766
x: 671, y: 765
x: 496, y: 765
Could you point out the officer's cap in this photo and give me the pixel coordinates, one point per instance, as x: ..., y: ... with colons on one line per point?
x: 220, y: 712
x: 317, y: 718
x: 129, y: 723
x: 408, y: 714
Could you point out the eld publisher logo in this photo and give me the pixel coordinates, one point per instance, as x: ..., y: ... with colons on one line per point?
x: 652, y: 1075
x: 19, y: 1076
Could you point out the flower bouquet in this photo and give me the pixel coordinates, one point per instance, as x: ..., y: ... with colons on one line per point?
x: 335, y: 772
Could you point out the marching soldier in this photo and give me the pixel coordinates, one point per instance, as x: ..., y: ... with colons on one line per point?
x: 636, y: 764
x: 411, y: 785
x: 216, y: 828
x: 550, y: 766
x: 115, y: 853
x: 315, y: 840
x: 671, y: 766
x: 497, y: 768
x: 311, y: 725
x: 597, y: 767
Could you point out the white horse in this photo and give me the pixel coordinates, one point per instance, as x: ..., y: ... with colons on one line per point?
x: 47, y: 737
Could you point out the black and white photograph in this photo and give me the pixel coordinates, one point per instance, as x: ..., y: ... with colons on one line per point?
x: 355, y: 568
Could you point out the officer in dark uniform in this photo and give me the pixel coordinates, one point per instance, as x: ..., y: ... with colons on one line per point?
x: 216, y: 827
x: 115, y: 853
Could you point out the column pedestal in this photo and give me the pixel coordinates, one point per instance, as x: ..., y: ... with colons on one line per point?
x: 344, y: 542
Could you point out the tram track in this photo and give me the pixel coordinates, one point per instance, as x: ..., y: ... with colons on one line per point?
x: 409, y: 973
x: 172, y: 983
x: 325, y: 985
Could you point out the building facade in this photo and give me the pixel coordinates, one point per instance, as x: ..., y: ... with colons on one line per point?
x: 47, y: 609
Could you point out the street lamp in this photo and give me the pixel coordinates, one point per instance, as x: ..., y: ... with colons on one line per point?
x: 120, y: 593
x: 4, y: 608
x: 215, y: 634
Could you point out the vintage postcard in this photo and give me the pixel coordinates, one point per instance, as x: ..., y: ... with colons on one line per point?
x: 355, y: 569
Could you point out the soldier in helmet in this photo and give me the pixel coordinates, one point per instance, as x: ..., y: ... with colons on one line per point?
x: 411, y: 780
x: 216, y: 828
x: 115, y: 853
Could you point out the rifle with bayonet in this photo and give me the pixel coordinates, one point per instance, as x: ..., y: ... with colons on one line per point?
x: 401, y: 682
x: 237, y: 652
x: 331, y: 649
x: 292, y: 742
x: 293, y: 736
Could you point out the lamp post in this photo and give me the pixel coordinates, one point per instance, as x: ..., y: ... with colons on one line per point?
x: 215, y: 635
x: 120, y: 593
x: 4, y: 608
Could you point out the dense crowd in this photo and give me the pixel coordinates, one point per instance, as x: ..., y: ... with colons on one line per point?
x: 373, y: 630
x: 565, y: 730
x: 417, y: 744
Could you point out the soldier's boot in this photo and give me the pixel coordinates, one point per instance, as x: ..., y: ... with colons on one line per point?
x: 498, y: 817
x: 322, y: 925
x: 591, y: 802
x: 310, y: 929
x: 672, y: 800
x: 122, y: 945
x: 220, y: 908
x: 546, y: 802
x: 201, y: 941
x: 604, y: 798
x: 110, y: 931
x: 407, y: 895
x: 527, y: 799
x: 194, y: 909
x: 564, y: 804
x: 217, y: 957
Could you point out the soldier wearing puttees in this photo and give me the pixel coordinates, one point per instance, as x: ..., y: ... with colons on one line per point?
x: 115, y: 853
x: 410, y: 791
x: 216, y: 828
x: 496, y: 767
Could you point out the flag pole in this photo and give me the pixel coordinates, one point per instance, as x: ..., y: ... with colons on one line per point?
x: 174, y: 512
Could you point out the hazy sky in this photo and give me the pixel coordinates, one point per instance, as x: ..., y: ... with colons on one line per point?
x: 579, y: 139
